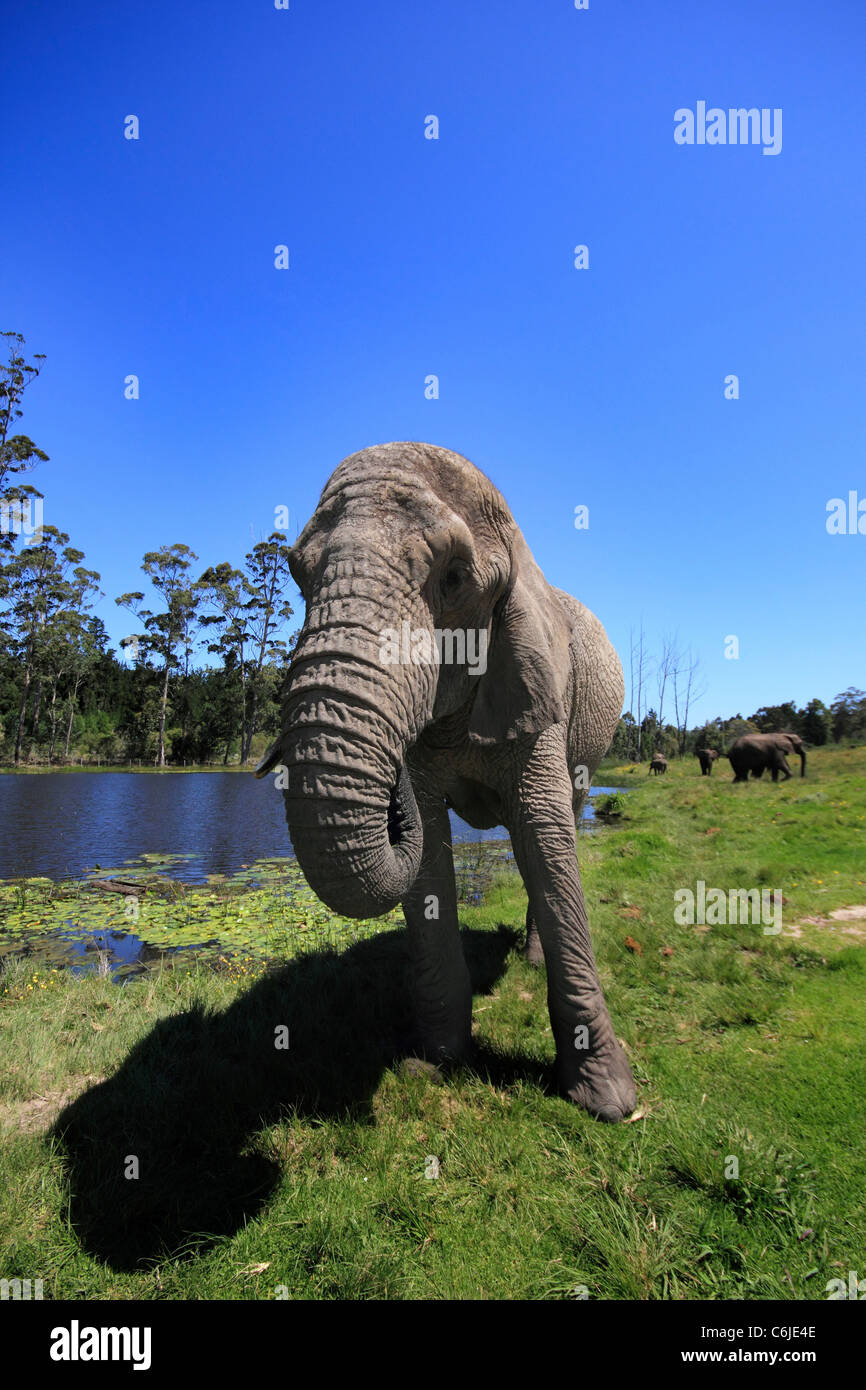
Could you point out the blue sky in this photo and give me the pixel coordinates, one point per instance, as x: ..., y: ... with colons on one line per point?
x: 602, y: 387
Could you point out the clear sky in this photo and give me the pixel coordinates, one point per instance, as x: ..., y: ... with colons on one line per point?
x: 602, y: 387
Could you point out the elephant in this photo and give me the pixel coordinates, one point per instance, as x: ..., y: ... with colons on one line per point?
x: 659, y: 764
x: 706, y: 757
x: 438, y: 669
x: 755, y: 752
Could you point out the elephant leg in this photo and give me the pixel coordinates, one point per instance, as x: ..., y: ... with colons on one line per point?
x: 781, y: 765
x: 442, y: 988
x: 592, y: 1068
x: 533, y: 951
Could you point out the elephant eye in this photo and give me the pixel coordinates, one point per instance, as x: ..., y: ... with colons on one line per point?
x: 452, y: 580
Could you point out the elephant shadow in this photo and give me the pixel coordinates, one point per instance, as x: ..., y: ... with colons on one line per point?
x: 160, y: 1160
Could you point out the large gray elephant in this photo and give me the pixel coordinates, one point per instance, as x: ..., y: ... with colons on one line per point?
x: 756, y: 752
x: 437, y: 668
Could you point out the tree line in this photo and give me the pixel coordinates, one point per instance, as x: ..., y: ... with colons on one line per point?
x: 844, y: 721
x: 671, y: 680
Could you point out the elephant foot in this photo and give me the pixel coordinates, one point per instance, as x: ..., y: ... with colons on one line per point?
x: 419, y: 1066
x: 444, y: 1049
x: 602, y: 1082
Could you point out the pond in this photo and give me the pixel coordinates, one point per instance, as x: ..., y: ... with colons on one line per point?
x: 62, y: 825
x: 122, y: 872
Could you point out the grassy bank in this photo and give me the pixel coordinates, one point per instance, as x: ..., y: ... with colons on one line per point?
x: 265, y: 1170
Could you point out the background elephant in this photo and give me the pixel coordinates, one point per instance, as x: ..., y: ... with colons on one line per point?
x: 380, y: 738
x: 659, y: 764
x: 706, y: 757
x: 755, y: 752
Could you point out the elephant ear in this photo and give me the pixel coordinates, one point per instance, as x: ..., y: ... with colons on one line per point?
x: 524, y: 687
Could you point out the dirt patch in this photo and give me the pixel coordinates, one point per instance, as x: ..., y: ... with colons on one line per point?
x: 849, y: 914
x: 33, y: 1116
x: 854, y: 914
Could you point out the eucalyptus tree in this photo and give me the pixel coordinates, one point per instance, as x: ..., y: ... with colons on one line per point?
x: 74, y: 642
x: 848, y: 712
x: 18, y: 453
x: 230, y: 597
x: 268, y: 568
x: 250, y: 611
x: 39, y: 587
x: 169, y: 634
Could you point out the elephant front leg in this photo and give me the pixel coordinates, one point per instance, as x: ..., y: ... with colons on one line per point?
x: 442, y: 988
x: 592, y: 1068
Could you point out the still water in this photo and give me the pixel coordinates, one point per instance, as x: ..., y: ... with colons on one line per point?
x: 62, y: 824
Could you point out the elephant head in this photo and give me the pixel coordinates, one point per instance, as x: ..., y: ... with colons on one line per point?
x: 409, y: 547
x: 792, y: 743
x: 706, y: 758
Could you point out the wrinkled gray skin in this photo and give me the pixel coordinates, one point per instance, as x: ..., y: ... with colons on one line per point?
x: 377, y: 753
x: 755, y: 752
x: 658, y: 765
x: 706, y: 757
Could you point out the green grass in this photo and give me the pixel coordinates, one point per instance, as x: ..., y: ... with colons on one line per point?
x: 265, y: 1171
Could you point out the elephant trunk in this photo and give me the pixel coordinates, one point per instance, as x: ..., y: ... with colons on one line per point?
x: 350, y: 808
x: 361, y: 860
x: 802, y: 753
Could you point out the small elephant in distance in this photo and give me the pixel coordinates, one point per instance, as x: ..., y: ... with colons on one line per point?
x: 659, y: 764
x: 756, y: 752
x: 437, y: 669
x: 706, y: 758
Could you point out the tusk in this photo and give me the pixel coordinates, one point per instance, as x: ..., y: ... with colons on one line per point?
x: 270, y: 760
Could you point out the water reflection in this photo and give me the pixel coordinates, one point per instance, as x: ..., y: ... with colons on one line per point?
x: 63, y: 824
